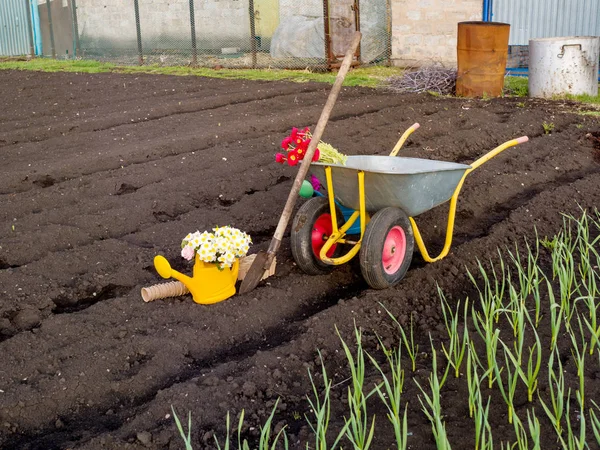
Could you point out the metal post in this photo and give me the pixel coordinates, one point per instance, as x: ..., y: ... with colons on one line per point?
x: 30, y: 29
x: 252, y: 32
x: 51, y: 29
x: 328, y: 55
x: 389, y: 32
x: 77, y: 49
x: 356, y: 9
x: 193, y: 31
x: 138, y: 29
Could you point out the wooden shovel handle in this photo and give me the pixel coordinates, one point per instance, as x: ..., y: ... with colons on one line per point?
x: 314, y: 141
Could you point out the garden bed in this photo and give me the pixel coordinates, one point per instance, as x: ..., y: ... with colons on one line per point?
x: 102, y: 172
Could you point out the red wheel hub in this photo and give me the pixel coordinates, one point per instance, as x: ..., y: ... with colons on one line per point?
x: 394, y: 249
x: 321, y: 231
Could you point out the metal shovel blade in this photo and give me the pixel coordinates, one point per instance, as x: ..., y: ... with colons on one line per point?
x: 255, y: 273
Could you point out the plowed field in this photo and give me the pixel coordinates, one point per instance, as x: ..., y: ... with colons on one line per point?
x: 100, y: 173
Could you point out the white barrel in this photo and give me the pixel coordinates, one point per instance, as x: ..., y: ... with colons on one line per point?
x: 563, y: 65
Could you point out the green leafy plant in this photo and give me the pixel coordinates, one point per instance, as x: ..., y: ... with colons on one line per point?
x: 409, y: 341
x: 390, y: 393
x: 556, y: 387
x: 483, y: 429
x: 187, y: 437
x: 516, y: 294
x: 358, y: 430
x: 458, y: 342
x: 571, y: 441
x: 512, y: 376
x: 534, y: 429
x: 473, y: 379
x: 579, y: 358
x: 320, y: 407
x: 548, y: 127
x: 432, y: 407
x: 595, y: 421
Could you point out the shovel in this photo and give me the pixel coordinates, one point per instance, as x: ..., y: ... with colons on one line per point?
x: 263, y: 259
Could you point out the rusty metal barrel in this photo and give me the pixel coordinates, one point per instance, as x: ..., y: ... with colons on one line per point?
x: 482, y: 50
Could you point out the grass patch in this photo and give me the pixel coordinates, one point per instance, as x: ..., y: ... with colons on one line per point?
x: 585, y: 98
x: 519, y: 87
x: 373, y: 76
x: 54, y: 65
x: 362, y: 76
x: 516, y: 86
x: 590, y: 113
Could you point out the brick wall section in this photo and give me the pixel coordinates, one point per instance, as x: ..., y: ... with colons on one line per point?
x: 424, y: 31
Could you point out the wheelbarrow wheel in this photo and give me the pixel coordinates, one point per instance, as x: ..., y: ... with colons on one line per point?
x: 310, y: 229
x: 387, y: 248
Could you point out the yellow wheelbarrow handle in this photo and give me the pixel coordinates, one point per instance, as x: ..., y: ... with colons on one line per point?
x: 403, y: 139
x: 454, y: 199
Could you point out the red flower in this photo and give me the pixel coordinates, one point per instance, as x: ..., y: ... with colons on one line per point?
x: 294, y: 134
x: 286, y: 142
x: 296, y: 145
x: 292, y: 158
x: 316, y: 155
x: 304, y: 144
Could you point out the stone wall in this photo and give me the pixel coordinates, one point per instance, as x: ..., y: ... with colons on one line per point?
x: 424, y: 32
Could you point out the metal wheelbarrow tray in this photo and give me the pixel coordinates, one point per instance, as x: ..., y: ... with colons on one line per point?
x: 412, y: 184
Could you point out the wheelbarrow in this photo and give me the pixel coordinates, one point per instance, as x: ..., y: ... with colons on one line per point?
x: 380, y: 197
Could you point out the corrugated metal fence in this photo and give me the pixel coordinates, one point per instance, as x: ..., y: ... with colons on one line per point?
x: 531, y: 19
x: 14, y: 31
x: 547, y: 18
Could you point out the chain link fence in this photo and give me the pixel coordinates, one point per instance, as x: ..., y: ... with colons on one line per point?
x: 283, y: 34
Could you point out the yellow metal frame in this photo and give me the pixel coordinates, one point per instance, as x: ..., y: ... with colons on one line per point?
x: 454, y: 199
x: 338, y: 235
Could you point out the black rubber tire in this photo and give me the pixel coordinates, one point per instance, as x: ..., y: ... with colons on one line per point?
x: 301, y: 236
x: 371, y: 251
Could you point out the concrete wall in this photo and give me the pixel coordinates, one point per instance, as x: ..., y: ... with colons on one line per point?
x: 164, y: 23
x: 424, y: 32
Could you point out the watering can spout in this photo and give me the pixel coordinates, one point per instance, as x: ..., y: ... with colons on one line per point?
x: 164, y: 270
x: 209, y: 284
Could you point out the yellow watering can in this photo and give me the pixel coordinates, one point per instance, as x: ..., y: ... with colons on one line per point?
x: 209, y: 284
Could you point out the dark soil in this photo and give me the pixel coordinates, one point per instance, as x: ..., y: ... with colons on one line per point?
x: 100, y: 173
